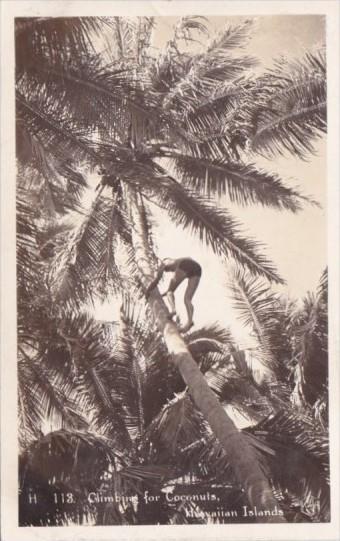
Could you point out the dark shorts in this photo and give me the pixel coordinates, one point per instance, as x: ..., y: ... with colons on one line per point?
x: 190, y: 267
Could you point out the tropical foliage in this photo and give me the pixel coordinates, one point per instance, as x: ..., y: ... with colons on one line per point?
x: 102, y: 411
x: 134, y: 428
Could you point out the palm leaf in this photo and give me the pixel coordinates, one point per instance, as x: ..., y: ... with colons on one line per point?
x: 209, y: 460
x: 45, y: 397
x: 185, y: 26
x: 323, y: 287
x: 210, y: 339
x: 66, y: 461
x: 199, y: 214
x: 90, y: 252
x: 238, y: 389
x: 63, y: 454
x: 244, y: 184
x: 231, y: 37
x: 257, y: 307
x: 311, y: 347
x: 54, y: 38
x: 52, y: 134
x: 176, y: 426
x: 130, y: 389
x: 26, y: 243
x: 301, y: 465
x: 100, y: 368
x: 114, y: 95
x: 153, y: 379
x: 204, y: 76
x: 295, y: 112
x: 30, y: 416
x: 130, y: 38
x: 124, y: 37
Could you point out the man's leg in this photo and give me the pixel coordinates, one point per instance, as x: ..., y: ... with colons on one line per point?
x: 171, y: 299
x: 175, y: 282
x: 190, y: 291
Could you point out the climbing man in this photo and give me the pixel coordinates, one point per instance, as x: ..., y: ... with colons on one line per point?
x: 183, y: 268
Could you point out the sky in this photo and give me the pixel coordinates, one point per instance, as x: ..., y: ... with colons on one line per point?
x: 296, y: 243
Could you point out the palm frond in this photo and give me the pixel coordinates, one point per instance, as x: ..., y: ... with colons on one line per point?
x: 162, y: 381
x: 212, y: 120
x: 219, y: 104
x: 63, y: 454
x: 130, y: 386
x: 152, y: 380
x: 257, y: 306
x: 220, y: 124
x: 26, y: 244
x: 56, y: 187
x: 55, y: 38
x: 99, y: 369
x: 301, y: 464
x: 130, y: 38
x: 47, y: 395
x: 30, y: 416
x: 238, y: 389
x: 114, y: 95
x: 211, y: 347
x: 147, y: 224
x: 90, y: 253
x: 204, y: 76
x: 323, y: 287
x: 64, y: 461
x: 54, y: 135
x: 187, y: 24
x: 107, y: 273
x: 311, y: 347
x: 294, y: 114
x: 213, y: 225
x: 244, y: 184
x: 213, y: 338
x: 123, y: 34
x: 231, y: 37
x: 254, y: 300
x: 176, y: 426
x: 208, y: 458
x: 143, y: 38
x: 73, y: 183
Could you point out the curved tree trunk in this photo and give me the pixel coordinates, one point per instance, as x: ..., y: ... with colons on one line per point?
x: 244, y: 461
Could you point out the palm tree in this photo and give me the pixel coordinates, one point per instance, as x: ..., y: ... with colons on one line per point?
x: 143, y: 111
x: 141, y: 432
x: 291, y: 339
x: 74, y: 376
x: 120, y: 391
x: 291, y: 343
x: 311, y: 353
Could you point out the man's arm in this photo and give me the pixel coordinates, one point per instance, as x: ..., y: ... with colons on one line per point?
x: 156, y: 280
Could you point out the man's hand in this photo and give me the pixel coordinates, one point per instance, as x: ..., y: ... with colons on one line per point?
x: 155, y: 281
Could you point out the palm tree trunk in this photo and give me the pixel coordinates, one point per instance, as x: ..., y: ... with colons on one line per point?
x: 243, y: 459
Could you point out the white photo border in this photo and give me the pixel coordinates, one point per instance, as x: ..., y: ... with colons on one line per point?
x: 9, y: 452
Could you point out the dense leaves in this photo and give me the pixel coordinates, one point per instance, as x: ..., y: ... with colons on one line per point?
x: 295, y: 113
x: 132, y: 121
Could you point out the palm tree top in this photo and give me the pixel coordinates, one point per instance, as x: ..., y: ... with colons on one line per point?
x: 174, y: 127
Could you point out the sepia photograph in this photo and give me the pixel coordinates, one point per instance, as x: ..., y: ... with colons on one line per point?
x: 172, y: 256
